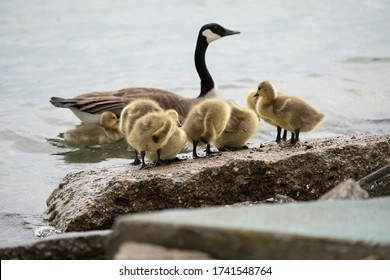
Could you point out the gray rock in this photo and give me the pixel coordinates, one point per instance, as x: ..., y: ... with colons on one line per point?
x: 67, y: 246
x: 143, y: 251
x: 348, y: 189
x: 337, y: 229
x: 378, y: 182
x: 93, y: 199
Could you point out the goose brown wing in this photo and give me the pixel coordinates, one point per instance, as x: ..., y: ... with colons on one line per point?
x: 115, y: 101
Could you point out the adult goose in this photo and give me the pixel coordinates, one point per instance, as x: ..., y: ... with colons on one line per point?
x: 88, y: 107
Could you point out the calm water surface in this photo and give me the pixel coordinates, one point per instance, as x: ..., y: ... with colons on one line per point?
x: 335, y: 54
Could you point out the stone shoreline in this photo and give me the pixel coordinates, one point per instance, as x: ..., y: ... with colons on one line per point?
x: 91, y: 200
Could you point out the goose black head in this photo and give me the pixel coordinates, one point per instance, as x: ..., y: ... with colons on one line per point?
x: 214, y: 31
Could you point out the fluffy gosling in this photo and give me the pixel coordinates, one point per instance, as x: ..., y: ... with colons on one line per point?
x: 286, y: 111
x: 132, y: 112
x: 251, y: 100
x: 151, y: 132
x: 205, y: 122
x: 175, y: 144
x: 242, y: 125
x: 107, y: 131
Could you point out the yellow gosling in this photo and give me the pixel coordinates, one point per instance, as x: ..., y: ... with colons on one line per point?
x: 242, y: 125
x: 107, y: 131
x: 132, y: 112
x: 175, y: 144
x: 150, y: 133
x: 251, y: 100
x: 205, y: 122
x: 287, y: 111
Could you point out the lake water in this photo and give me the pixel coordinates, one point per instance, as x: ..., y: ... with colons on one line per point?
x: 335, y: 54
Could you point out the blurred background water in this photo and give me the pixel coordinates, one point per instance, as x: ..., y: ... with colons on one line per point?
x: 335, y: 54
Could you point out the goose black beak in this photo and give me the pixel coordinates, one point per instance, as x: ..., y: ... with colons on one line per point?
x: 256, y: 94
x: 230, y: 32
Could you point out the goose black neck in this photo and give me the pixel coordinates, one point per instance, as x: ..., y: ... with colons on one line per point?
x: 206, y: 81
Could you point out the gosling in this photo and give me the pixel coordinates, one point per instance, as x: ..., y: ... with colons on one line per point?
x: 205, y: 122
x: 175, y: 144
x: 132, y: 112
x: 287, y: 111
x: 151, y: 132
x: 107, y: 131
x: 242, y: 125
x: 251, y: 101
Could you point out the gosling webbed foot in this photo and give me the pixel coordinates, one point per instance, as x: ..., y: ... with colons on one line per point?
x: 163, y: 162
x: 143, y: 166
x: 195, y: 155
x: 232, y: 149
x: 176, y: 159
x: 136, y: 159
x: 209, y: 152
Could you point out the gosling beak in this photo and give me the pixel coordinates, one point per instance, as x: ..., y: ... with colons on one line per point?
x: 256, y: 94
x: 230, y: 32
x: 178, y: 123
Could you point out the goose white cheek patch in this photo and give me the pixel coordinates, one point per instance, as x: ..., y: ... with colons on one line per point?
x: 210, y: 36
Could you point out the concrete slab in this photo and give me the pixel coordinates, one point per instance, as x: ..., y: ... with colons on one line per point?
x: 347, y: 229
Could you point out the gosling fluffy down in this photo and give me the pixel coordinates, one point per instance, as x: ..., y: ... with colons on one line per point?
x: 251, y: 100
x: 205, y: 122
x: 175, y: 144
x: 151, y: 132
x: 136, y: 109
x: 287, y: 111
x: 242, y: 125
x: 107, y: 131
x: 132, y: 112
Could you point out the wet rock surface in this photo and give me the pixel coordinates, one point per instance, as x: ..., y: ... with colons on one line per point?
x: 242, y: 181
x: 68, y: 246
x: 93, y: 199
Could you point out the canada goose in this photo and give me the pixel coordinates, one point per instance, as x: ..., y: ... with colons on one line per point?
x: 151, y: 132
x: 175, y: 143
x: 87, y: 107
x: 205, y: 122
x: 132, y: 112
x: 251, y: 101
x: 286, y: 111
x: 107, y: 131
x: 242, y: 125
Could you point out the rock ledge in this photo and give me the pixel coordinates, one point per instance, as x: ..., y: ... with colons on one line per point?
x: 92, y: 199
